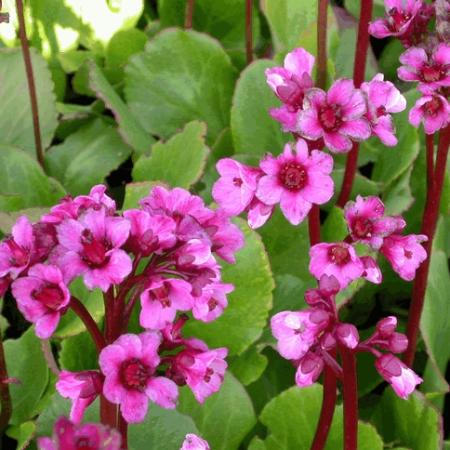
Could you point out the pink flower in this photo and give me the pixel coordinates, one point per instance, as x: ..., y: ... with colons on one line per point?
x: 433, y: 110
x: 236, y: 187
x: 402, y: 379
x: 367, y: 223
x: 45, y: 240
x: 386, y: 326
x: 212, y: 301
x: 335, y: 116
x: 90, y: 247
x: 287, y: 116
x: 42, y: 297
x: 347, y: 334
x: 296, y: 180
x: 337, y: 259
x: 372, y: 271
x: 92, y: 436
x: 161, y: 301
x: 309, y: 369
x: 193, y: 442
x: 297, y: 331
x: 432, y: 71
x: 148, y: 233
x: 324, y: 295
x: 383, y: 98
x: 129, y: 365
x: 405, y: 253
x: 258, y: 213
x: 16, y: 250
x: 82, y: 388
x: 399, y: 16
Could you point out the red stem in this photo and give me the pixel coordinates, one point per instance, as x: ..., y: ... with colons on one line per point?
x: 314, y: 225
x: 429, y: 222
x: 248, y: 30
x: 322, y: 16
x: 5, y: 396
x: 430, y: 160
x: 350, y: 394
x: 31, y: 84
x: 359, y: 69
x: 190, y: 4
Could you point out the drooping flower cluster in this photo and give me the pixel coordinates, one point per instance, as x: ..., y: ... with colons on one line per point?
x: 368, y: 225
x: 310, y: 338
x: 164, y: 254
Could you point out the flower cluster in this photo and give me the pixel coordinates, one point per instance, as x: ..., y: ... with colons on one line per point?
x: 164, y: 254
x: 310, y: 338
x: 368, y: 225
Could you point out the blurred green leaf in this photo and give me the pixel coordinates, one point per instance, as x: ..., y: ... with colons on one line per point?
x: 249, y: 366
x: 335, y: 227
x: 78, y: 353
x: 22, y: 433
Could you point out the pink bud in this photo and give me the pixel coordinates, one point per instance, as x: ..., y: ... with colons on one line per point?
x: 309, y: 369
x: 387, y: 325
x: 398, y: 343
x: 347, y: 335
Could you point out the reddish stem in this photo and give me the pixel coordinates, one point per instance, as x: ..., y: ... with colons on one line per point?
x: 31, y: 84
x: 108, y: 414
x: 190, y: 4
x: 123, y: 428
x: 322, y: 17
x: 359, y: 69
x: 248, y: 30
x: 429, y: 222
x: 430, y: 160
x: 5, y: 397
x: 350, y: 394
x: 314, y: 225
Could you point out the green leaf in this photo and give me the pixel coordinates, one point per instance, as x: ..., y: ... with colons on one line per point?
x: 243, y: 320
x: 254, y: 131
x: 398, y: 197
x: 413, y: 423
x: 225, y: 418
x: 257, y: 444
x: 22, y: 176
x: 22, y: 433
x: 181, y: 76
x: 129, y: 128
x: 335, y: 227
x: 135, y: 191
x: 179, y: 162
x: 291, y: 418
x: 25, y: 362
x: 249, y: 366
x: 87, y: 157
x: 16, y: 123
x: 78, y: 353
x: 122, y: 45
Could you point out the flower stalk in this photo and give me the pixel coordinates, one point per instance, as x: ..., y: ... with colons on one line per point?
x: 5, y: 396
x: 190, y: 4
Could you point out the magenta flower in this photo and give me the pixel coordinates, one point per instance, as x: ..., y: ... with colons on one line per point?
x: 193, y: 442
x: 405, y: 253
x: 399, y: 16
x: 297, y: 331
x: 431, y: 71
x: 309, y: 369
x: 347, y: 334
x: 212, y: 301
x: 92, y: 436
x: 383, y: 98
x: 290, y: 83
x: 91, y: 247
x: 42, y: 297
x: 336, y: 259
x: 258, y: 213
x: 129, y: 365
x: 16, y: 250
x: 433, y: 110
x: 402, y: 379
x: 335, y: 116
x: 296, y: 180
x: 236, y: 187
x: 161, y: 301
x: 82, y: 388
x: 372, y: 271
x: 367, y: 223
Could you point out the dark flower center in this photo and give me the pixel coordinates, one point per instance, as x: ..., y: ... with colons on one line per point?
x: 49, y: 295
x: 161, y: 294
x: 237, y: 182
x: 134, y: 374
x: 209, y: 373
x: 339, y: 254
x: 397, y: 19
x: 85, y: 443
x: 432, y: 72
x: 330, y: 117
x: 432, y: 107
x: 362, y: 227
x: 381, y: 111
x: 293, y: 176
x: 212, y: 303
x: 19, y: 255
x: 94, y: 251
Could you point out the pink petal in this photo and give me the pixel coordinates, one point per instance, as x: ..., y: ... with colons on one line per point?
x: 117, y: 230
x: 269, y: 190
x: 358, y: 129
x: 378, y: 28
x: 111, y: 357
x: 163, y: 392
x: 414, y: 57
x: 46, y: 325
x: 134, y: 407
x: 299, y: 61
x: 308, y: 124
x: 22, y: 232
x: 337, y: 142
x: 294, y: 207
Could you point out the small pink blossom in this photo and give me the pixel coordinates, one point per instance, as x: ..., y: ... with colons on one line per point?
x: 287, y: 116
x: 336, y: 116
x: 194, y: 442
x: 405, y: 253
x: 42, y: 297
x: 387, y: 325
x: 212, y: 301
x: 383, y: 98
x: 82, y: 388
x: 402, y: 379
x: 336, y: 259
x: 309, y: 369
x: 432, y: 71
x: 297, y: 331
x: 324, y: 295
x: 372, y: 271
x: 296, y: 180
x: 433, y: 110
x: 129, y: 365
x: 258, y: 213
x: 69, y: 436
x: 347, y: 334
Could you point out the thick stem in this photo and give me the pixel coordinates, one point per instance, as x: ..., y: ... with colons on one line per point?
x: 429, y: 222
x: 123, y: 428
x: 350, y: 394
x: 31, y: 84
x: 322, y: 16
x: 108, y: 412
x: 190, y: 4
x: 5, y: 396
x: 314, y: 225
x: 359, y: 69
x: 429, y: 140
x: 248, y: 30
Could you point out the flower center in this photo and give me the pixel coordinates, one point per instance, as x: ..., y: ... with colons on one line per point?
x: 19, y: 256
x: 209, y: 373
x: 84, y: 443
x: 293, y: 176
x: 330, y: 117
x: 212, y: 303
x: 49, y: 295
x: 161, y: 294
x: 362, y: 227
x: 237, y: 182
x: 94, y: 251
x: 134, y: 374
x: 432, y: 107
x: 431, y: 72
x: 339, y: 254
x: 381, y: 111
x: 397, y: 19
